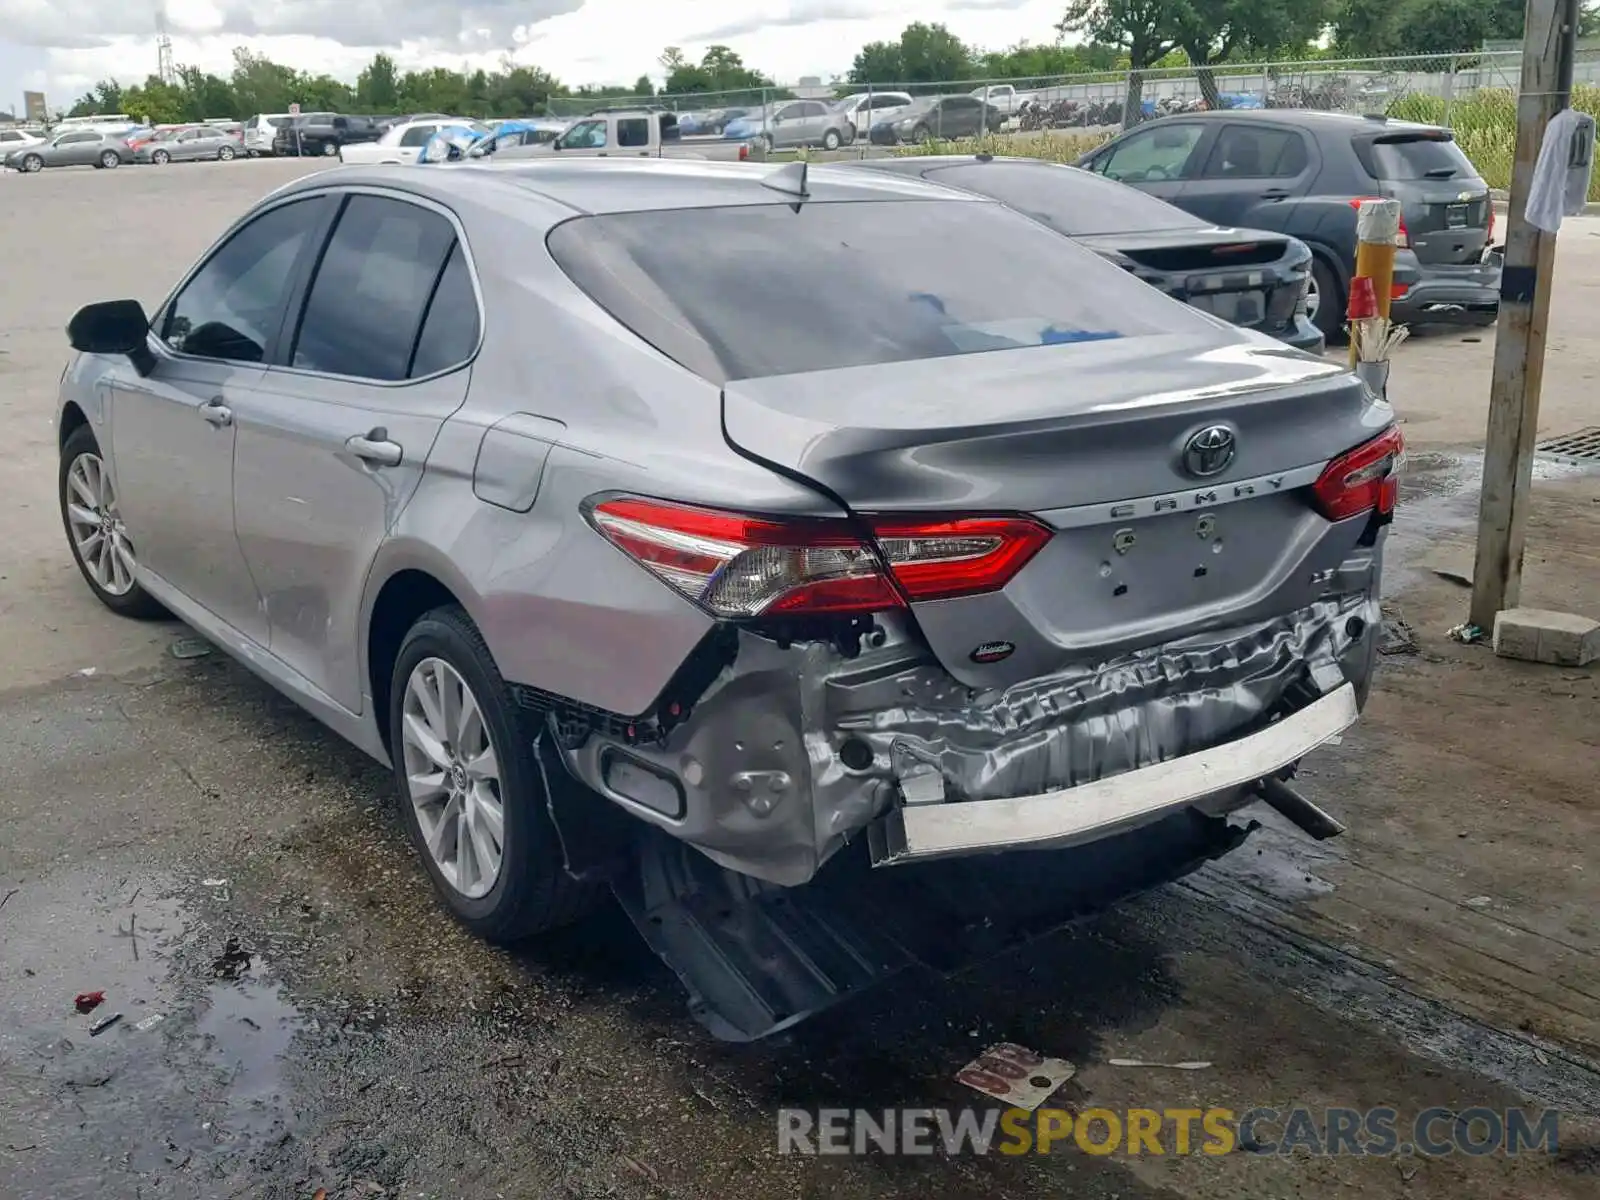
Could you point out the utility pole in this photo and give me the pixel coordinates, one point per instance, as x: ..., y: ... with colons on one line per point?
x: 1548, y: 47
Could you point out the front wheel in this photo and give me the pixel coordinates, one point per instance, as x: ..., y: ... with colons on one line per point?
x: 225, y: 154
x: 922, y: 134
x: 329, y: 149
x: 1325, y: 301
x: 161, y: 158
x: 471, y: 790
x: 95, y: 533
x: 831, y: 140
x: 110, y: 159
x: 32, y: 163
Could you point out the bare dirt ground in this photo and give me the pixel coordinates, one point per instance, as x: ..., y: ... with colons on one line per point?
x: 1445, y: 953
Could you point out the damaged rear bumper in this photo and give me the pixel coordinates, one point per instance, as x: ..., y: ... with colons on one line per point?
x: 792, y: 752
x: 1104, y: 806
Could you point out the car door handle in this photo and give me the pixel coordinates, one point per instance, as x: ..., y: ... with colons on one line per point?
x: 375, y: 449
x: 218, y: 413
x: 1274, y: 194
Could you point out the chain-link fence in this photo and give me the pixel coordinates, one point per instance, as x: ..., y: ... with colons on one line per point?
x: 1425, y: 87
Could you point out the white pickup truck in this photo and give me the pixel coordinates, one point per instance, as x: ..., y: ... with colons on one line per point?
x: 1002, y: 96
x: 633, y: 132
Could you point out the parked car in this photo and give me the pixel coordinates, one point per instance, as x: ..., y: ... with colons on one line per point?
x: 1305, y: 173
x: 932, y: 117
x: 865, y: 109
x: 508, y: 137
x: 1002, y: 96
x: 261, y: 130
x: 12, y: 140
x: 323, y: 133
x: 622, y: 132
x: 402, y: 143
x: 188, y: 145
x: 710, y: 123
x: 1253, y: 278
x: 74, y: 148
x: 692, y: 589
x: 793, y: 123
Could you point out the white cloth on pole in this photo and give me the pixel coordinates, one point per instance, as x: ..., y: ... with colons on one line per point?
x: 1561, y: 175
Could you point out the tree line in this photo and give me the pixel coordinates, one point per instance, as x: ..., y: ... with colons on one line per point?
x: 1118, y: 35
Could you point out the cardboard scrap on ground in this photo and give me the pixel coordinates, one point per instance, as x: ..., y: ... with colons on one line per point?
x: 1016, y: 1075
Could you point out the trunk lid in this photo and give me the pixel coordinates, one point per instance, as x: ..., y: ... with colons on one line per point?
x: 1090, y: 437
x: 1246, y: 277
x: 1445, y: 202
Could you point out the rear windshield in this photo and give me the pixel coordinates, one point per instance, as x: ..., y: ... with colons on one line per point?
x: 1074, y: 202
x: 1427, y: 156
x: 747, y: 292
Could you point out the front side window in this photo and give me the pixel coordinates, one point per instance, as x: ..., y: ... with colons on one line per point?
x: 371, y: 291
x: 1151, y: 155
x: 234, y: 304
x: 585, y: 135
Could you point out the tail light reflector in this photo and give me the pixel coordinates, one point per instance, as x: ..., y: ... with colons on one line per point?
x: 1404, y: 240
x: 735, y: 565
x: 1362, y: 480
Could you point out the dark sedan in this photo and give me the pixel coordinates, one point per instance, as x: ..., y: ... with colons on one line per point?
x: 1304, y: 173
x: 1252, y: 278
x: 931, y: 118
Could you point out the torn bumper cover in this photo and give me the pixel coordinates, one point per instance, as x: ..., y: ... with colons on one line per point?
x: 793, y: 752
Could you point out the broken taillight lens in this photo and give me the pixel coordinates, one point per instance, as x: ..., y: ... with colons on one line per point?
x: 736, y: 565
x: 1363, y: 480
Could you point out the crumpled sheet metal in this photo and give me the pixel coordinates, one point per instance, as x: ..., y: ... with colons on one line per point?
x: 767, y: 794
x: 1093, y: 721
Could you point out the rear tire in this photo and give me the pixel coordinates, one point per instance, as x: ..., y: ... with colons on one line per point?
x: 90, y: 516
x: 225, y: 154
x: 831, y: 140
x: 161, y: 158
x: 110, y: 159
x: 329, y: 149
x: 1328, y: 315
x: 529, y: 892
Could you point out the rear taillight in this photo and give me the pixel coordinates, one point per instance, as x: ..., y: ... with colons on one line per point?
x: 1404, y: 240
x: 1363, y: 480
x: 736, y: 566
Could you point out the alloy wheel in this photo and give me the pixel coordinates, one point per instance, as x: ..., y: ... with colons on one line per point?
x: 1313, y: 297
x: 453, y: 778
x: 98, y: 533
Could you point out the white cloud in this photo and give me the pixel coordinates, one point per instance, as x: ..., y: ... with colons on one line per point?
x: 63, y: 46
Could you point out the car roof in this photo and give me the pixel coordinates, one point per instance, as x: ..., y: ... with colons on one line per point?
x: 605, y: 185
x: 1306, y: 118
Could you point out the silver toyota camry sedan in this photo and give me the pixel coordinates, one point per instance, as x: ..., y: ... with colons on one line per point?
x: 717, y: 533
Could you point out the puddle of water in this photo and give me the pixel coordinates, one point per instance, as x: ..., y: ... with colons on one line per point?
x: 190, y: 1080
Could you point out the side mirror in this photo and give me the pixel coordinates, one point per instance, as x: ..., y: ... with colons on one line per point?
x: 556, y: 145
x: 113, y: 327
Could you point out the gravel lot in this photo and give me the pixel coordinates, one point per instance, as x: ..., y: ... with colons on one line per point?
x: 1446, y: 952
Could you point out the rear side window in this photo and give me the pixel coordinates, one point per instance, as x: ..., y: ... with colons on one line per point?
x: 850, y: 284
x: 1256, y: 152
x: 372, y: 289
x: 1429, y: 156
x: 450, y: 330
x: 1070, y: 201
x: 418, y: 135
x: 633, y: 132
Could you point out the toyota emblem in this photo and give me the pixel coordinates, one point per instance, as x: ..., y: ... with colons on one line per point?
x: 1209, y: 451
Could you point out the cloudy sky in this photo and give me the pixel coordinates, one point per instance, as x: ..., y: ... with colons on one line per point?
x: 63, y: 46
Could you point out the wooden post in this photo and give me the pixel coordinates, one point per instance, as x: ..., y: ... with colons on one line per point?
x: 1548, y: 48
x: 1377, y: 236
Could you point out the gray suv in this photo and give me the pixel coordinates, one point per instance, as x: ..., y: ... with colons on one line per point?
x: 1304, y: 173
